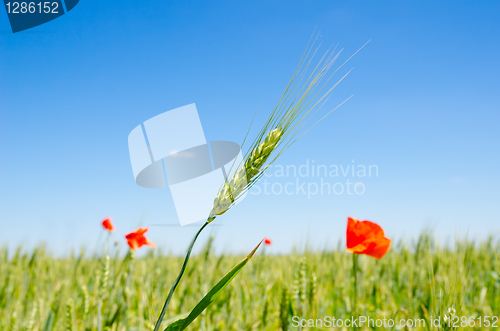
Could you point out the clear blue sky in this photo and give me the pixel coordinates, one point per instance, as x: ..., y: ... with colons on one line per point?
x: 426, y: 111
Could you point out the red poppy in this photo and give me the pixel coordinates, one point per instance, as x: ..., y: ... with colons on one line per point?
x: 108, y: 225
x: 267, y: 241
x: 366, y: 238
x: 136, y: 239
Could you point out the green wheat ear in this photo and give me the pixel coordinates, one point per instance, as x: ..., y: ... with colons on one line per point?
x: 248, y: 172
x: 305, y: 93
x: 69, y: 315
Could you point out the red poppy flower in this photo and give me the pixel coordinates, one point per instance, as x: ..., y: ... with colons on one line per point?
x: 366, y: 238
x: 267, y: 241
x: 136, y: 239
x: 108, y: 225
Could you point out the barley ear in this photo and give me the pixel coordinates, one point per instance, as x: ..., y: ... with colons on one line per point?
x: 104, y: 280
x: 86, y: 300
x: 14, y: 322
x: 69, y: 315
x: 248, y: 172
x: 284, y: 311
x: 32, y: 316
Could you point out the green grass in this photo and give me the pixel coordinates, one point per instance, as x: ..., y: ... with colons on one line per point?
x: 39, y: 292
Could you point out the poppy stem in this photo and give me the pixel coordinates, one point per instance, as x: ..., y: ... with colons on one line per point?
x: 355, y: 284
x: 96, y: 249
x: 106, y: 244
x: 172, y: 290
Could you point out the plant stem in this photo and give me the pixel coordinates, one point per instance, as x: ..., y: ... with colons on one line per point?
x: 99, y: 305
x: 129, y: 275
x: 172, y: 290
x: 355, y: 285
x: 96, y: 249
x: 106, y: 244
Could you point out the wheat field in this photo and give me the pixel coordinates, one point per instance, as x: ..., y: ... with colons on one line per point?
x: 414, y: 280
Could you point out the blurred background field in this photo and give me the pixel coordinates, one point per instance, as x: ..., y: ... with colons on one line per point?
x: 414, y: 280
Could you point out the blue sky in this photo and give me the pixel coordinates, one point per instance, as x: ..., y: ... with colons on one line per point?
x: 425, y: 111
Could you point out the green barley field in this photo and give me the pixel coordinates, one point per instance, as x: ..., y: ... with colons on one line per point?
x: 413, y: 281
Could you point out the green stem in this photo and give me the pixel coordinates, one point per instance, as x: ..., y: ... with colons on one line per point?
x: 172, y: 290
x: 96, y: 249
x: 99, y: 305
x: 120, y: 268
x: 355, y: 284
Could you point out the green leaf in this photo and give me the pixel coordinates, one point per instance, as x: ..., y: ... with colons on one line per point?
x: 49, y: 322
x: 182, y: 324
x: 176, y: 326
x: 176, y: 318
